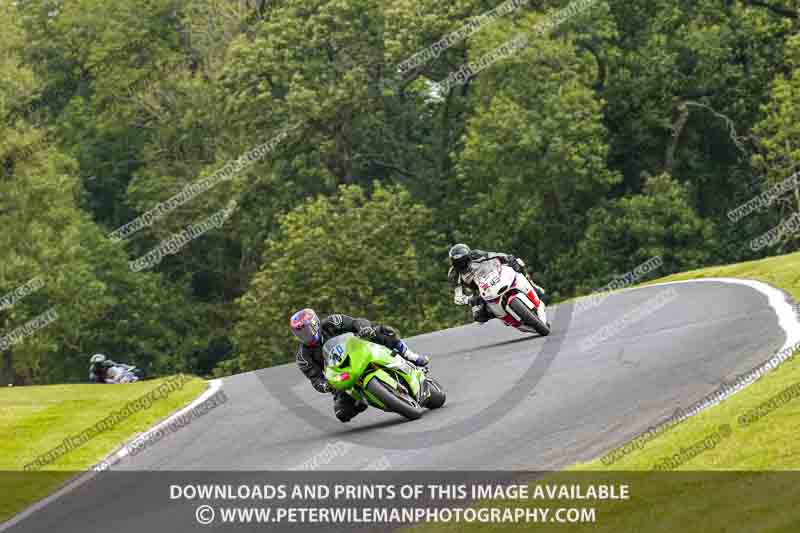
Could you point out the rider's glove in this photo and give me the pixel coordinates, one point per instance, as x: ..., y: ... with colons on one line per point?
x: 461, y: 299
x: 515, y: 263
x: 366, y: 332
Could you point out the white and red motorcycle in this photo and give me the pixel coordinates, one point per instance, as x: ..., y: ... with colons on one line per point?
x: 510, y: 296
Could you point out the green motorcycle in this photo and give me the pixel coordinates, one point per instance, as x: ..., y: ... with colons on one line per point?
x: 375, y: 374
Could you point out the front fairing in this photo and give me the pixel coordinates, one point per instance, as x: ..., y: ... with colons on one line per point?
x: 345, y: 357
x: 348, y: 359
x: 493, y: 279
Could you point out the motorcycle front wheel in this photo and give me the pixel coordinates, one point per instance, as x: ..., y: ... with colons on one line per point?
x: 395, y: 402
x: 529, y: 317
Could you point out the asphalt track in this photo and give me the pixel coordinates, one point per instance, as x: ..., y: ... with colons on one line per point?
x: 585, y: 403
x: 515, y: 401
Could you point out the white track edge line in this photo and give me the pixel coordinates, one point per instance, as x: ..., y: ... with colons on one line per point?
x: 788, y: 320
x: 110, y: 460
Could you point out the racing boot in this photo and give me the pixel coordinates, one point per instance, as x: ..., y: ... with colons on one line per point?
x: 414, y: 358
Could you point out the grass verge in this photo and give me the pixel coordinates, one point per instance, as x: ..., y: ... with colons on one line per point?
x: 38, y: 419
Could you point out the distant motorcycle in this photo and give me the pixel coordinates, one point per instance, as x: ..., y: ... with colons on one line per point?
x: 510, y: 296
x: 122, y: 373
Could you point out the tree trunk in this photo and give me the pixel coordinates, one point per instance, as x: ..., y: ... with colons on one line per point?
x: 7, y: 373
x: 677, y: 129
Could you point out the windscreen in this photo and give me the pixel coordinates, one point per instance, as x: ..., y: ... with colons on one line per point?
x: 333, y: 351
x: 486, y: 271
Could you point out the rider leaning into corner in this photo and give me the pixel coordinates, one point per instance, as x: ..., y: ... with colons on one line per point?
x: 99, y: 365
x: 461, y: 277
x: 313, y: 332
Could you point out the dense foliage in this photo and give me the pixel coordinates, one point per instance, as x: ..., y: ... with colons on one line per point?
x: 627, y: 131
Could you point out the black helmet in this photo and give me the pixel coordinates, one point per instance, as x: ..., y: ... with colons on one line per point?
x: 459, y: 256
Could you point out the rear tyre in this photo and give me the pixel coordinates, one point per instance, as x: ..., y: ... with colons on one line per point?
x: 394, y: 402
x: 529, y: 318
x: 437, y: 397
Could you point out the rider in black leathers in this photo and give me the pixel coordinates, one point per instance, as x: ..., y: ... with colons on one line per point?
x: 461, y: 277
x: 98, y: 366
x: 313, y: 332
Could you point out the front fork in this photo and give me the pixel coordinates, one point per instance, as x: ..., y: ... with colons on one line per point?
x: 527, y: 287
x: 541, y: 312
x: 420, y: 374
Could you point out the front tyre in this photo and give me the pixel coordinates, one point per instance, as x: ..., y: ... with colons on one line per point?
x: 529, y: 318
x: 437, y: 395
x: 395, y: 402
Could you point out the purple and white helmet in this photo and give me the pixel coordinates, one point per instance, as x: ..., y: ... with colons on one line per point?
x: 305, y: 326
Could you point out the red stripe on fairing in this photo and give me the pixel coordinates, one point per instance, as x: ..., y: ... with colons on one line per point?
x: 534, y: 298
x: 511, y: 321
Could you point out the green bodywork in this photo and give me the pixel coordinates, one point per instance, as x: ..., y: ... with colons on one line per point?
x: 351, y: 363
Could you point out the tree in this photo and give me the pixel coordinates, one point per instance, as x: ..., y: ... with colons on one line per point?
x: 627, y: 232
x: 534, y: 152
x: 352, y: 253
x: 110, y: 107
x: 779, y: 130
x: 99, y: 304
